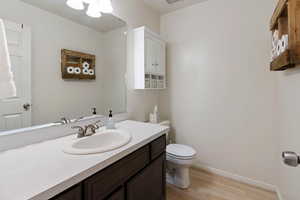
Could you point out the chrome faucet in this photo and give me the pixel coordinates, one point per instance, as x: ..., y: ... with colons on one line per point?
x: 88, y: 130
x: 64, y: 120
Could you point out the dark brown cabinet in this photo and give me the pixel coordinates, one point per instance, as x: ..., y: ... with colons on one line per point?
x: 74, y: 193
x: 138, y: 176
x: 148, y: 184
x: 117, y: 195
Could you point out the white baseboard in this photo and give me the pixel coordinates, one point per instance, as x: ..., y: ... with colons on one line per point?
x: 241, y: 179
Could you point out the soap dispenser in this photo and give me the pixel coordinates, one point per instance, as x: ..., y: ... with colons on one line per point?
x: 110, y: 123
x: 94, y: 111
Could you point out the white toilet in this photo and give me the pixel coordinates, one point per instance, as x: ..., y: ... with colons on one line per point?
x: 179, y: 160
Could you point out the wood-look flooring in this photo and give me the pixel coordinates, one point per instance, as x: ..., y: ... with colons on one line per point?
x: 208, y: 186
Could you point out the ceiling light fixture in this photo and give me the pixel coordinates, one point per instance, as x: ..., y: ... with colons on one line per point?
x: 87, y: 1
x: 93, y: 9
x: 106, y: 6
x: 75, y: 4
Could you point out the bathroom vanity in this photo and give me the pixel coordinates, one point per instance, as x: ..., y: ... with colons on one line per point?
x: 43, y: 171
x: 140, y: 175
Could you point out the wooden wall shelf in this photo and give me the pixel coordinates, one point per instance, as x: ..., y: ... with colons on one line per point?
x: 77, y: 65
x: 282, y: 62
x: 286, y: 20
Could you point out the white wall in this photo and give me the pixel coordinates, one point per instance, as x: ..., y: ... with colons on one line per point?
x: 221, y: 92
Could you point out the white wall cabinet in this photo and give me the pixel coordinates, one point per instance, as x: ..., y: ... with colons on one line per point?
x: 149, y: 60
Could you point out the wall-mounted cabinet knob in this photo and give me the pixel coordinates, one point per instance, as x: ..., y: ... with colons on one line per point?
x: 291, y: 158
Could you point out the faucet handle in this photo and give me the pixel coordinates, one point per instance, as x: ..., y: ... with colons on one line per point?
x: 65, y: 120
x: 81, y: 131
x: 98, y: 126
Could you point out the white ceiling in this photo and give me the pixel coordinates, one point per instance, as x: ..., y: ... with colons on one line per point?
x: 163, y: 7
x: 106, y: 23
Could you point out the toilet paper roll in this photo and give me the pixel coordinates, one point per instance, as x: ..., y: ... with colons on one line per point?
x: 85, y: 65
x: 276, y: 35
x: 285, y: 42
x: 70, y: 70
x: 85, y: 71
x: 77, y: 70
x: 274, y: 44
x: 278, y: 48
x: 91, y: 72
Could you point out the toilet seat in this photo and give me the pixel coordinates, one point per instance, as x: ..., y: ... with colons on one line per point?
x: 179, y: 157
x: 181, y: 152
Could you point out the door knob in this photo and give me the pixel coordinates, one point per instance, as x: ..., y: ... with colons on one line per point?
x: 291, y: 158
x: 26, y: 106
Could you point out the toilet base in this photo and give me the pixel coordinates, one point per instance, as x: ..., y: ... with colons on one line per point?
x: 178, y: 175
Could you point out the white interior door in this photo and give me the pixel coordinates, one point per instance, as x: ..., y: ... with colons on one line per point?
x: 15, y: 112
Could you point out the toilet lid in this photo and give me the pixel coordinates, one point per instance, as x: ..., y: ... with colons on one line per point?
x: 180, y: 150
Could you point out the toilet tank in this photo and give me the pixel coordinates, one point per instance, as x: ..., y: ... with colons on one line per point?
x: 168, y: 124
x: 165, y: 123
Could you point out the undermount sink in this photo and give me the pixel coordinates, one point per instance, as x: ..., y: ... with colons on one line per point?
x: 103, y: 141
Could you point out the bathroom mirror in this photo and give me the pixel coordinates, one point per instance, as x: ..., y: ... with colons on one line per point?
x: 37, y: 32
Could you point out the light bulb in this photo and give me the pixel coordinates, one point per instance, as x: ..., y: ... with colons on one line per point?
x: 105, y: 6
x: 93, y: 10
x: 75, y: 4
x: 87, y: 1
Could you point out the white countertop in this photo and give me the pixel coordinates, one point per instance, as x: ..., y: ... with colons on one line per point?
x: 41, y: 171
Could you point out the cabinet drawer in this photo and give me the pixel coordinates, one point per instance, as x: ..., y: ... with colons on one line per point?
x: 118, y: 195
x: 157, y: 147
x: 73, y: 193
x: 100, y: 185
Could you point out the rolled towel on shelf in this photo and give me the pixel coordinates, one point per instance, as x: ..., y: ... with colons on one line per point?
x: 7, y: 83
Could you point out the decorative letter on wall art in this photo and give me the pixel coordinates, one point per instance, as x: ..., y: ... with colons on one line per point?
x: 77, y: 65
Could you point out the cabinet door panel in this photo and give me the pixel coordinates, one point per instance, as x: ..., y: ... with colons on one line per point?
x: 118, y: 195
x: 102, y: 184
x: 156, y: 56
x: 149, y: 55
x: 148, y: 184
x: 160, y: 58
x: 157, y: 147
